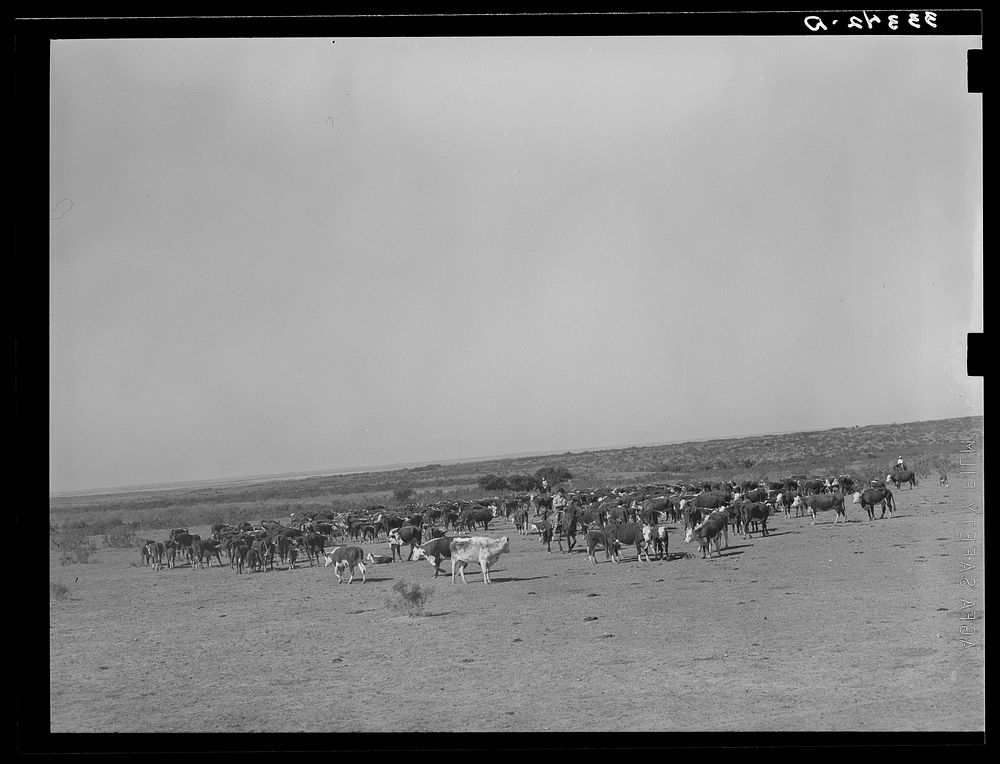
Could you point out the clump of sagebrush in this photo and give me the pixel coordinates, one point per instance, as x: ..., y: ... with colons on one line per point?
x: 58, y: 590
x: 409, y: 598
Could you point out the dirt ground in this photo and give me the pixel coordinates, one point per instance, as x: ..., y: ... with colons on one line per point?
x: 852, y: 627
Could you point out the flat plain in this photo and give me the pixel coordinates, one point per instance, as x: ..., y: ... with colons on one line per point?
x: 817, y: 627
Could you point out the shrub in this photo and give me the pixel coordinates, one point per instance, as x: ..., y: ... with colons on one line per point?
x: 409, y: 598
x: 120, y: 536
x: 58, y: 590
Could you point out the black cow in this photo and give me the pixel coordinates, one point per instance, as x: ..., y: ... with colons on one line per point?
x: 472, y: 517
x: 434, y: 550
x: 206, y: 549
x: 873, y: 496
x: 314, y: 544
x: 752, y: 512
x: 407, y: 534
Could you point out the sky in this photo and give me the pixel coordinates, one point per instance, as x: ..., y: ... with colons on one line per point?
x: 294, y: 255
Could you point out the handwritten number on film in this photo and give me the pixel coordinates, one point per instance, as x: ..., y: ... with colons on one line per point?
x: 869, y: 20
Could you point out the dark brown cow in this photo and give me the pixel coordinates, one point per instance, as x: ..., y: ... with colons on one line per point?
x: 434, y: 550
x: 399, y: 537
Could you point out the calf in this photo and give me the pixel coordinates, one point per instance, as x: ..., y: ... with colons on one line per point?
x: 344, y: 557
x: 656, y: 536
x: 481, y: 549
x: 595, y: 539
x: 378, y: 559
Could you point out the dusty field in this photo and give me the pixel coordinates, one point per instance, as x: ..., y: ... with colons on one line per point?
x: 847, y: 628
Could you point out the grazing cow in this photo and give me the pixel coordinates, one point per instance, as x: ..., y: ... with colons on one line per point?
x: 821, y: 503
x: 750, y: 513
x: 470, y: 518
x: 708, y: 532
x: 344, y: 557
x: 482, y: 549
x: 399, y: 537
x: 903, y: 476
x: 656, y: 535
x: 626, y: 534
x: 873, y: 496
x: 434, y: 550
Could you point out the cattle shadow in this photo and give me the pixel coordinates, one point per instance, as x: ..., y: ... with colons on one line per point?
x: 778, y: 533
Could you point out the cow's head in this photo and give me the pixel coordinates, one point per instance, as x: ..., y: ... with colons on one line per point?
x: 420, y: 554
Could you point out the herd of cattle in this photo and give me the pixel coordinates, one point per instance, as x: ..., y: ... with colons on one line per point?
x: 609, y: 519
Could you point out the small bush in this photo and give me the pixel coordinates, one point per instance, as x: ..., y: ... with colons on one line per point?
x: 408, y: 598
x: 58, y: 590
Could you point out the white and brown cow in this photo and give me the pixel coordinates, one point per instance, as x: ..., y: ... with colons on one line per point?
x: 344, y: 557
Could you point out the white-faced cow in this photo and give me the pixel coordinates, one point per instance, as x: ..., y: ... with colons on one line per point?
x: 408, y: 535
x: 709, y: 532
x: 823, y: 502
x: 626, y: 534
x: 482, y: 549
x: 344, y: 557
x: 868, y: 499
x: 434, y: 551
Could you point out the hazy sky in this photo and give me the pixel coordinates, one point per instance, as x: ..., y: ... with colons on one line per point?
x: 274, y: 255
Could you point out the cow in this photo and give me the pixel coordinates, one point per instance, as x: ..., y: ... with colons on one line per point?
x: 482, y: 549
x: 592, y: 515
x: 626, y: 534
x: 315, y: 545
x: 387, y: 523
x: 873, y: 496
x: 470, y: 518
x: 656, y: 535
x: 206, y: 549
x: 434, y: 550
x: 708, y: 532
x: 399, y: 537
x: 521, y: 520
x: 378, y: 559
x: 344, y: 557
x: 813, y: 486
x: 154, y: 550
x: 903, y: 476
x: 943, y: 481
x: 822, y: 503
x: 595, y: 539
x: 750, y: 513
